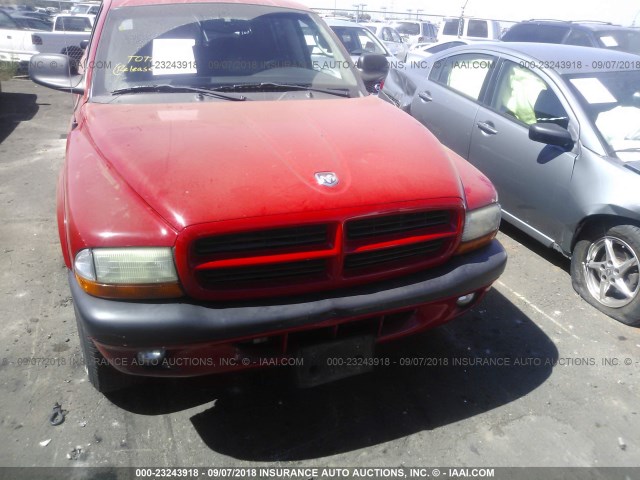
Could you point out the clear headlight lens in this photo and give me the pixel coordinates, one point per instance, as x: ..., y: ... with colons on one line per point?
x: 136, y: 272
x: 480, y: 226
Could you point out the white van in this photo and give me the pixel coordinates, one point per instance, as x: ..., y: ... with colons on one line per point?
x: 472, y: 28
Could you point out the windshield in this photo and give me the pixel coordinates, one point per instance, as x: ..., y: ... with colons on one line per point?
x: 216, y: 45
x: 359, y: 40
x: 612, y: 102
x: 623, y: 40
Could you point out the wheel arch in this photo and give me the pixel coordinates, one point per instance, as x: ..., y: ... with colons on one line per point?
x: 596, y: 221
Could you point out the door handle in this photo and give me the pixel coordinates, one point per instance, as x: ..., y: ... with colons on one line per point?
x: 425, y: 96
x: 487, y: 127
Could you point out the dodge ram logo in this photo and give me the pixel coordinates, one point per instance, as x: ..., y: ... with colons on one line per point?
x: 327, y: 179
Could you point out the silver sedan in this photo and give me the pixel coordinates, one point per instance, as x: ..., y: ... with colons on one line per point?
x: 556, y: 128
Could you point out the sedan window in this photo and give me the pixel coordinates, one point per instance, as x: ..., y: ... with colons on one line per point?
x: 463, y: 73
x: 523, y: 95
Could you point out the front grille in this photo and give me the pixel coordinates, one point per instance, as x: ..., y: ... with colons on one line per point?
x: 394, y: 224
x: 295, y: 259
x: 375, y: 258
x: 275, y: 239
x: 260, y: 274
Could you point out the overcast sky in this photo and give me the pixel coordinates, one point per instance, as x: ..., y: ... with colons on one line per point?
x: 616, y: 11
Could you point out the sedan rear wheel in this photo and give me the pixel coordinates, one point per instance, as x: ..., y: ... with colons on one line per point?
x: 605, y: 271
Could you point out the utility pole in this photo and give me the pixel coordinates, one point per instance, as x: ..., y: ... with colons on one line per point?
x: 358, y: 7
x: 461, y: 21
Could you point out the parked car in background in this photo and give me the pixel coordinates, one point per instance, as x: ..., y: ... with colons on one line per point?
x: 26, y: 12
x: 471, y: 28
x: 391, y: 39
x: 416, y: 31
x: 559, y: 139
x: 265, y: 208
x: 71, y: 33
x: 89, y: 8
x: 28, y: 22
x: 359, y: 41
x: 587, y: 34
x: 22, y: 37
x: 16, y: 46
x: 422, y: 51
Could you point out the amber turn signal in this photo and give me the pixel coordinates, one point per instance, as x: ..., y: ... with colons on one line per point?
x: 131, y: 292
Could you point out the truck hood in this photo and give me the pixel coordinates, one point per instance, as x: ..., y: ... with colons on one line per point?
x: 213, y: 161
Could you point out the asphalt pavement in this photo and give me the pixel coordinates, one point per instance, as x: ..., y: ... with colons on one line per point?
x: 533, y: 376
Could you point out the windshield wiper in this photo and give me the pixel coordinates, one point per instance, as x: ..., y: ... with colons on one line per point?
x: 176, y: 88
x: 632, y: 149
x: 283, y: 87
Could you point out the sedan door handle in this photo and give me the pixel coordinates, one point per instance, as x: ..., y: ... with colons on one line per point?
x: 487, y: 127
x: 425, y: 96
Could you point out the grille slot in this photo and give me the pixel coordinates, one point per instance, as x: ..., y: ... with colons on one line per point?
x: 393, y: 224
x: 375, y: 258
x: 231, y: 277
x: 279, y: 238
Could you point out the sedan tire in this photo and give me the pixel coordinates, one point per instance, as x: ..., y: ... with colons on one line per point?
x: 605, y: 271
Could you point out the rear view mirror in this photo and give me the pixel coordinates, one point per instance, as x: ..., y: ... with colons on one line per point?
x: 55, y: 71
x: 551, y: 134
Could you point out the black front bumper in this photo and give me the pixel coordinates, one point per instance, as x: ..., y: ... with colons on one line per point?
x: 183, y: 322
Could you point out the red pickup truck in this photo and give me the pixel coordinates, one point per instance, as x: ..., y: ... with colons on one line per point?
x: 233, y: 198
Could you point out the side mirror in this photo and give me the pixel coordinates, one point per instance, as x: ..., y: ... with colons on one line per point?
x: 84, y: 44
x: 551, y: 134
x: 373, y: 69
x: 55, y: 71
x: 373, y: 64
